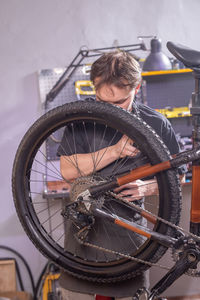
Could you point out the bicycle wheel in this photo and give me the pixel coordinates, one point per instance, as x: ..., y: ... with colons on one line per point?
x: 40, y: 203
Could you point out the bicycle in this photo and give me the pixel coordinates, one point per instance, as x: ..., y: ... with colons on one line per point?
x: 83, y: 214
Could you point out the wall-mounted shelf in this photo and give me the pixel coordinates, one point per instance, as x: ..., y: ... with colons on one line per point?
x: 175, y: 112
x: 166, y: 72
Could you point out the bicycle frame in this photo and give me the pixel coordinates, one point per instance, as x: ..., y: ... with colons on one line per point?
x: 191, y: 255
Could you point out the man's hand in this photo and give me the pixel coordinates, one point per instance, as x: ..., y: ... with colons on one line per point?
x: 125, y: 147
x: 137, y: 189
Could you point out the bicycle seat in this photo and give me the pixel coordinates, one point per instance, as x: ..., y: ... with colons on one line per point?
x: 189, y: 57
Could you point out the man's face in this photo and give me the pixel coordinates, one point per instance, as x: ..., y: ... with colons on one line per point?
x: 122, y: 97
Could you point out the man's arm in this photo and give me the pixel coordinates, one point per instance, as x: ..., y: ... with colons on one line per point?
x: 76, y: 165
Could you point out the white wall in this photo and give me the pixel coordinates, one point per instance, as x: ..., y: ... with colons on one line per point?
x: 48, y: 33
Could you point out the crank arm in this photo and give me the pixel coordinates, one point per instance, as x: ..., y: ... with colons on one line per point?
x: 167, y: 241
x: 188, y: 259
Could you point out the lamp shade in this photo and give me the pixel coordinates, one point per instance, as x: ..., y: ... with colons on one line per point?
x: 156, y: 60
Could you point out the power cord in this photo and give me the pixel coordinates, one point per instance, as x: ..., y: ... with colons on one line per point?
x: 40, y: 280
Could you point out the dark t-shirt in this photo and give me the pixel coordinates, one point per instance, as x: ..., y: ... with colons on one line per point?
x: 78, y: 142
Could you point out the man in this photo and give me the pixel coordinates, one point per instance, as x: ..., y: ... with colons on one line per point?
x: 116, y: 77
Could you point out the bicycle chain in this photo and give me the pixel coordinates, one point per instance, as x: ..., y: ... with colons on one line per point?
x: 125, y: 255
x: 132, y: 257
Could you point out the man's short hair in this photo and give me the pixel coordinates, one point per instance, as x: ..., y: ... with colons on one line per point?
x: 118, y: 67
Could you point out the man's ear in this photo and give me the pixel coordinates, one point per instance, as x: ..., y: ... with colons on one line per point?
x: 137, y: 88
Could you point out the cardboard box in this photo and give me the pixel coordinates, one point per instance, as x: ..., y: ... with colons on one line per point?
x: 7, y: 276
x: 17, y: 295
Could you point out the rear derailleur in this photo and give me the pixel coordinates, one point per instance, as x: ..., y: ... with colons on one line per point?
x: 81, y: 218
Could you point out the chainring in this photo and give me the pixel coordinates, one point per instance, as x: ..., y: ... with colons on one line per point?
x: 180, y: 248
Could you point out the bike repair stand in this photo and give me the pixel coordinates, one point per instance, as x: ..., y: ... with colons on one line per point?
x: 189, y: 256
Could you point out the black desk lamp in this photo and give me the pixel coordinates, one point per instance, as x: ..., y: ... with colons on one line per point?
x: 156, y: 60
